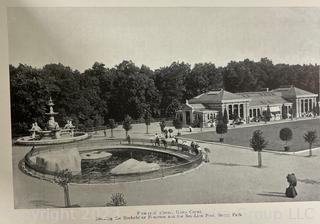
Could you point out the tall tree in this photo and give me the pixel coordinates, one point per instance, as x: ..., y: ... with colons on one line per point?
x: 172, y: 108
x: 112, y: 125
x: 162, y: 125
x: 170, y: 83
x: 267, y: 114
x: 28, y: 98
x: 310, y: 137
x: 225, y: 117
x: 258, y: 143
x: 62, y: 178
x: 284, y: 112
x: 202, y: 78
x: 221, y: 127
x: 135, y: 90
x: 63, y: 85
x: 177, y: 123
x: 147, y: 121
x: 127, y: 124
x: 242, y: 76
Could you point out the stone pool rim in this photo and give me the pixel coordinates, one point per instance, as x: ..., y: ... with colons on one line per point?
x: 26, y: 140
x: 33, y: 171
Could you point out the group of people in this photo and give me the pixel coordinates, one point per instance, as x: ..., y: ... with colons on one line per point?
x: 196, y: 149
x: 159, y: 139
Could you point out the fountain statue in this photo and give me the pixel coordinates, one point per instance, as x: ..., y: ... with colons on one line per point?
x: 69, y: 126
x: 52, y: 134
x: 35, y: 128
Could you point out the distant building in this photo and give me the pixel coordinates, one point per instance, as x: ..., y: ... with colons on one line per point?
x: 247, y: 106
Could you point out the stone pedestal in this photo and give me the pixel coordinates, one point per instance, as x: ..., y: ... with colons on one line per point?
x: 33, y: 134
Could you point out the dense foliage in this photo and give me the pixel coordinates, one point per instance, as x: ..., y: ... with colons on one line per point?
x: 222, y: 124
x: 257, y: 142
x: 99, y: 93
x: 285, y: 134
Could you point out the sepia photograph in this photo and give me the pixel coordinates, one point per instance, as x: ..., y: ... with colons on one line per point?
x: 141, y: 106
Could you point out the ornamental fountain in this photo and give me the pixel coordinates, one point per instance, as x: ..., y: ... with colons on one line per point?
x: 52, y: 134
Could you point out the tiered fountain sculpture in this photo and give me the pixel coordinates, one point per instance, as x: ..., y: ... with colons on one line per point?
x: 53, y: 126
x: 52, y: 134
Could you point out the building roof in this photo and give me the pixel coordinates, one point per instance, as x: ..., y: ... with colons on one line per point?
x: 186, y: 107
x: 292, y: 92
x: 215, y: 96
x: 197, y: 106
x: 194, y: 106
x: 264, y: 98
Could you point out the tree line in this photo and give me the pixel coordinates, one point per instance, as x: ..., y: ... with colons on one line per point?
x: 92, y: 97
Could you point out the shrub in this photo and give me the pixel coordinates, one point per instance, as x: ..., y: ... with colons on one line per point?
x: 162, y: 125
x: 117, y: 199
x: 310, y: 137
x: 221, y: 129
x: 285, y: 135
x: 127, y: 124
x: 196, y: 123
x: 284, y: 112
x: 177, y: 123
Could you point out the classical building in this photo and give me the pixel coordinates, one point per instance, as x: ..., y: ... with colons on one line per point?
x: 247, y: 106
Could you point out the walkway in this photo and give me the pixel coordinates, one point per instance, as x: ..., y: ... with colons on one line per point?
x: 231, y: 176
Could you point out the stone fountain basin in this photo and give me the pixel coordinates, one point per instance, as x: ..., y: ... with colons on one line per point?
x: 27, y: 140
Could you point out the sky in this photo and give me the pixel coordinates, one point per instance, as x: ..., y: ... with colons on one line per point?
x: 78, y: 37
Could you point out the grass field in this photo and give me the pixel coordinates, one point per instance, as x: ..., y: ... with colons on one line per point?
x: 241, y: 136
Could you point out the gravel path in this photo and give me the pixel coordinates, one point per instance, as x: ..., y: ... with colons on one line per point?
x: 230, y: 177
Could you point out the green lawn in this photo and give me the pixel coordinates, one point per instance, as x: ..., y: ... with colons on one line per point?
x: 241, y: 136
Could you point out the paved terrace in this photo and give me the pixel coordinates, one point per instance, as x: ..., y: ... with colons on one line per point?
x: 230, y: 177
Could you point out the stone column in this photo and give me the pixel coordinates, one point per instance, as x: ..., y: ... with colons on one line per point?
x: 232, y: 109
x: 310, y: 104
x: 184, y: 118
x: 306, y: 106
x: 238, y: 109
x: 297, y: 108
x: 227, y: 108
x: 245, y: 111
x: 191, y: 117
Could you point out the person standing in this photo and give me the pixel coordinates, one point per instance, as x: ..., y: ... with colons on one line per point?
x: 129, y: 139
x: 291, y: 190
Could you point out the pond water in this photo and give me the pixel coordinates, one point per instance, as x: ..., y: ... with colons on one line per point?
x: 98, y: 171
